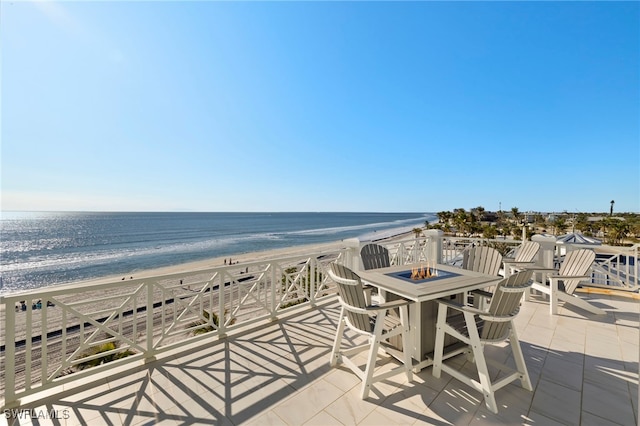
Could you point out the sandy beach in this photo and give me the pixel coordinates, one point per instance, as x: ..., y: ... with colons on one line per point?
x: 189, y: 268
x: 208, y: 263
x: 220, y: 261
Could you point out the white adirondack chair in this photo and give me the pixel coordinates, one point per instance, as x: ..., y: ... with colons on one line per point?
x: 373, y: 322
x: 485, y: 260
x: 482, y: 259
x: 563, y: 282
x: 524, y: 258
x: 477, y: 328
x: 374, y: 256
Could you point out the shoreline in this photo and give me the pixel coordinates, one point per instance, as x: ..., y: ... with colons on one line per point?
x: 197, y: 265
x: 109, y: 246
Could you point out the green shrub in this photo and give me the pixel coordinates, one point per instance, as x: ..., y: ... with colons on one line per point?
x: 210, y: 317
x: 105, y: 347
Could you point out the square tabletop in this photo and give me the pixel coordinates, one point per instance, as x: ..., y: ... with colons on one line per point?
x: 445, y: 280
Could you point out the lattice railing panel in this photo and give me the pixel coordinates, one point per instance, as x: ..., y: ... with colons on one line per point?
x: 76, y: 325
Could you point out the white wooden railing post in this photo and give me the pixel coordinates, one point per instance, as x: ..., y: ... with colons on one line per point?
x: 546, y: 255
x: 400, y: 254
x: 311, y: 285
x: 635, y: 276
x: 149, y: 354
x: 274, y: 292
x: 222, y: 290
x: 352, y: 260
x: 434, y: 245
x: 10, y: 357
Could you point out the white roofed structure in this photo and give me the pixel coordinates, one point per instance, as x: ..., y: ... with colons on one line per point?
x: 577, y: 238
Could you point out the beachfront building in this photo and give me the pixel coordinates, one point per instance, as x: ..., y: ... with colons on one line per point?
x: 249, y: 343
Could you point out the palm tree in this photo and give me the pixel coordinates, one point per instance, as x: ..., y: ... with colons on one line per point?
x: 489, y: 231
x: 581, y: 222
x: 617, y: 230
x: 611, y: 211
x: 444, y: 216
x: 560, y: 225
x: 478, y: 213
x: 515, y: 213
x: 500, y: 222
x: 460, y: 220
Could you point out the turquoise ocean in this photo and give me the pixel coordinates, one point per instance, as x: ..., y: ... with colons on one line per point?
x: 39, y: 249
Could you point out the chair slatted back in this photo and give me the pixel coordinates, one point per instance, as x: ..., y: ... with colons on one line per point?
x: 485, y: 260
x: 577, y: 262
x: 505, y: 304
x: 374, y: 256
x: 527, y: 251
x: 351, y: 294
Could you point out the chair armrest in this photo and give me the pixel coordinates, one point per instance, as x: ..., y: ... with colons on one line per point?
x: 482, y: 293
x: 388, y: 305
x: 543, y: 269
x: 459, y: 307
x: 559, y: 277
x: 513, y: 262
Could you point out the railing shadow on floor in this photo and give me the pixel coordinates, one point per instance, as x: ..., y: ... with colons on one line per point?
x: 235, y: 379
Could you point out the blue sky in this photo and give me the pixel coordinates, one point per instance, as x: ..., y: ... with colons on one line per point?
x: 320, y: 106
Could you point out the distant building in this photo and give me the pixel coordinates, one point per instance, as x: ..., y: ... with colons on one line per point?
x: 601, y: 218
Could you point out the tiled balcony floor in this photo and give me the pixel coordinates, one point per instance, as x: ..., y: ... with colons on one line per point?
x: 584, y: 370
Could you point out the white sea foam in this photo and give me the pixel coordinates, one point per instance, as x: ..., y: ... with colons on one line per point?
x: 394, y: 225
x: 39, y: 250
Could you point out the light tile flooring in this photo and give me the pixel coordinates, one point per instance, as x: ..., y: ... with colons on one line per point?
x: 584, y: 370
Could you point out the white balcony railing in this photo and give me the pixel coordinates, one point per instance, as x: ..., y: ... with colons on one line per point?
x: 52, y: 343
x: 617, y: 267
x: 64, y: 329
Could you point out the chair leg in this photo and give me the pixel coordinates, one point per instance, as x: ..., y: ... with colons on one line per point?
x: 481, y: 365
x: 406, y: 342
x: 518, y: 357
x: 527, y: 294
x: 371, y: 359
x: 439, y: 344
x: 335, y: 352
x: 553, y: 297
x: 581, y: 303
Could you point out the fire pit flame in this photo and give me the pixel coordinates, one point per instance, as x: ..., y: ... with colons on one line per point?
x: 422, y: 272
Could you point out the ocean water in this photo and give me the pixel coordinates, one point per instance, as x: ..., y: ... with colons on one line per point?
x: 42, y: 249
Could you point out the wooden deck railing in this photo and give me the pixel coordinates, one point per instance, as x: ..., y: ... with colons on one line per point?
x: 64, y: 329
x: 52, y: 342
